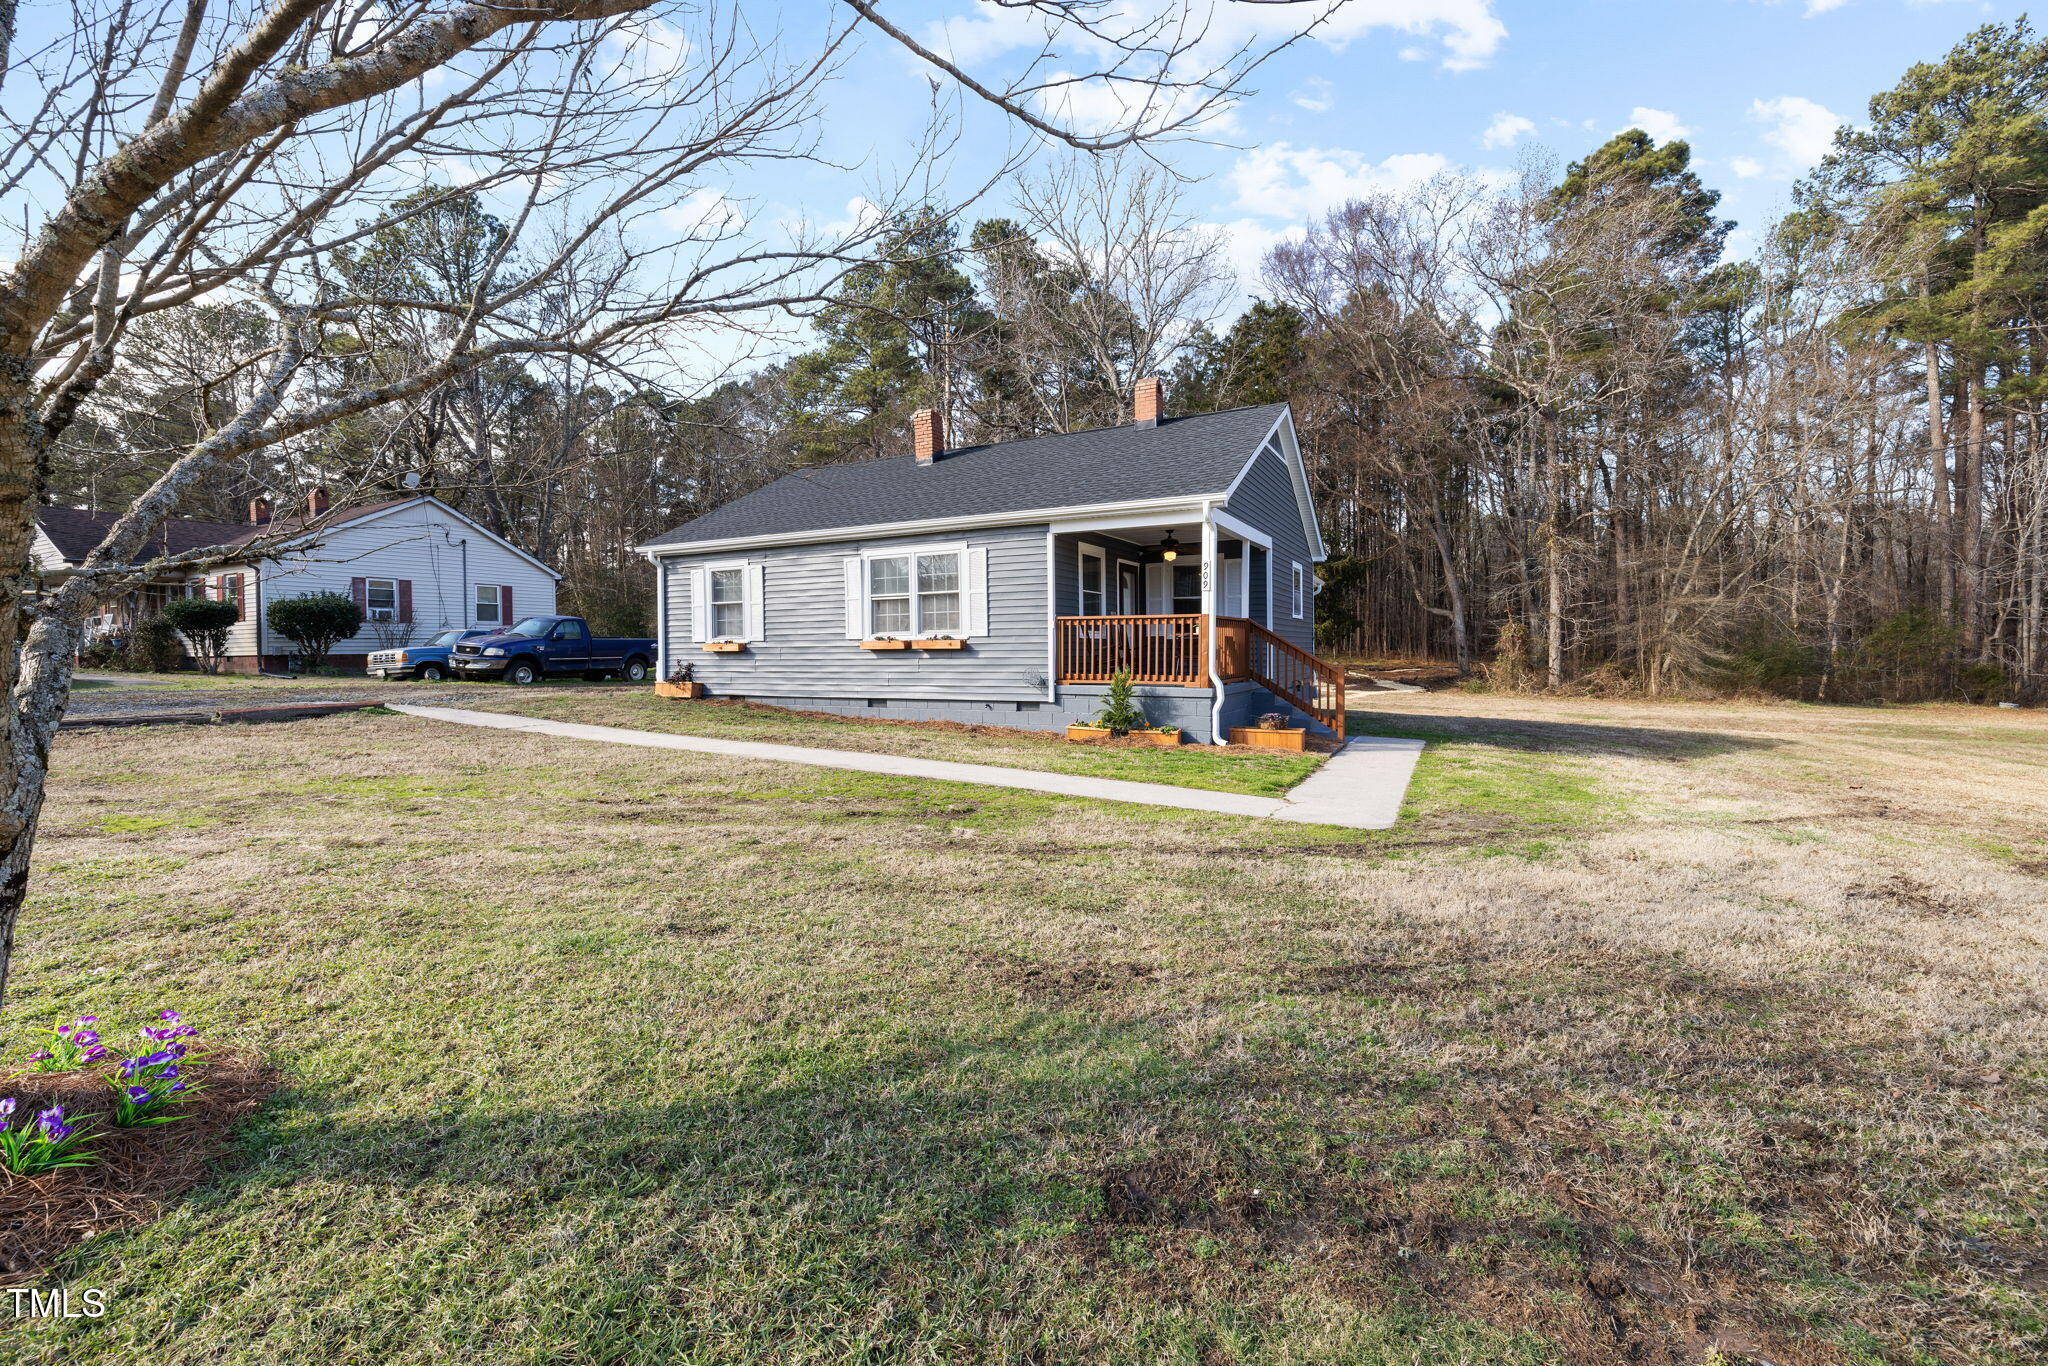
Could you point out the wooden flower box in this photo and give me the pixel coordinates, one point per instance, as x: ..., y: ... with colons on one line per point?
x: 1150, y: 735
x: 946, y: 644
x: 885, y: 645
x: 663, y: 688
x: 1257, y: 737
x: 724, y: 647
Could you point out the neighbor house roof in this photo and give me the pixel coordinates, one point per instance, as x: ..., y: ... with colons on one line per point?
x: 1180, y: 457
x: 76, y: 532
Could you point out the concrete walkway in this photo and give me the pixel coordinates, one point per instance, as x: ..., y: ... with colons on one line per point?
x: 1359, y: 787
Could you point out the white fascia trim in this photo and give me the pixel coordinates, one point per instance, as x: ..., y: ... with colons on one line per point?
x: 1244, y: 531
x: 1052, y: 611
x: 879, y: 529
x: 477, y: 527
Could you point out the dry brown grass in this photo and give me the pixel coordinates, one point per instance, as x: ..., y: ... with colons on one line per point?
x: 1655, y: 1032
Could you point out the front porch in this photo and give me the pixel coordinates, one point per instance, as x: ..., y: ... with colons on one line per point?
x: 1187, y: 606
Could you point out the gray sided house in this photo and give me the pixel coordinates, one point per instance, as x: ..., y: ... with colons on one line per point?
x: 1006, y: 584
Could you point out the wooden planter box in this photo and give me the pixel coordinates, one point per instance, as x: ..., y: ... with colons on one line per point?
x: 663, y: 688
x: 940, y: 644
x: 1077, y: 731
x: 885, y: 645
x: 724, y: 647
x: 1294, y: 739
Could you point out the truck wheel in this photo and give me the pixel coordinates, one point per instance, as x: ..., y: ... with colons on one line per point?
x: 635, y: 670
x: 432, y: 673
x: 522, y: 672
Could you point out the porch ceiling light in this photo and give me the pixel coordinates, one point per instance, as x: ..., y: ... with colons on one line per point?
x: 1169, y: 549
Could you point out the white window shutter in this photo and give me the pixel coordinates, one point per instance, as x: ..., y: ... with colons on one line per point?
x: 976, y: 615
x: 755, y: 578
x: 856, y: 614
x: 700, y: 605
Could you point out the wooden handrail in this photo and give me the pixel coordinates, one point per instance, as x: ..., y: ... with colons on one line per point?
x: 1294, y: 675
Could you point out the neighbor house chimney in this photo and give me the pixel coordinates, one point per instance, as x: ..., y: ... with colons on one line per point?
x: 259, y: 510
x: 1147, y: 400
x: 317, y: 503
x: 928, y: 434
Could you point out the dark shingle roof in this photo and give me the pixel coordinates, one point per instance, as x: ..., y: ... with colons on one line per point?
x: 77, y: 533
x: 1180, y: 457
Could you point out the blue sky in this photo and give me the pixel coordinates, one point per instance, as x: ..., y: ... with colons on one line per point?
x: 1756, y: 86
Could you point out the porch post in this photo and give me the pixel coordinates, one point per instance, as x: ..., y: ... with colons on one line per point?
x: 1212, y: 586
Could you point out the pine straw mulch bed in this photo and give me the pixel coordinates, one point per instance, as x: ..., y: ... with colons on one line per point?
x: 138, y: 1172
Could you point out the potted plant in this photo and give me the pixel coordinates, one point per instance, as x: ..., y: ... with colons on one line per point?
x: 681, y: 682
x: 1123, y: 716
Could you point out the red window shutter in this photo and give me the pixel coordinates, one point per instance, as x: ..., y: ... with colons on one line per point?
x: 241, y: 582
x: 505, y: 605
x: 405, y: 602
x: 359, y: 589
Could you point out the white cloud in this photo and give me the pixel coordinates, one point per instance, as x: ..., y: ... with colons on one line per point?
x: 1799, y: 128
x: 648, y: 49
x: 1745, y: 168
x: 1300, y: 182
x: 1102, y: 106
x: 1316, y: 95
x: 1505, y: 130
x: 1468, y: 32
x: 1245, y: 244
x: 1814, y: 7
x: 1661, y: 124
x: 702, y: 213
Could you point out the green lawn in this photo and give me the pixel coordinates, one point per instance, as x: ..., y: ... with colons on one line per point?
x: 602, y: 1055
x: 1229, y: 769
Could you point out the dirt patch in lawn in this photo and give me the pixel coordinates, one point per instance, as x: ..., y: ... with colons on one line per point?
x: 138, y: 1172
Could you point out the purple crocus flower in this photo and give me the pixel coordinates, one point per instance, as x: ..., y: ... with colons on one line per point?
x: 139, y: 1095
x: 168, y: 1072
x: 6, y: 1113
x: 38, y: 1057
x: 88, y: 1019
x: 86, y: 1038
x: 170, y: 1015
x: 63, y: 1029
x: 176, y: 1087
x: 52, y: 1123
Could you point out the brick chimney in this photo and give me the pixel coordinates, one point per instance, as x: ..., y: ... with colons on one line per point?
x: 1148, y: 401
x: 317, y: 503
x: 928, y: 434
x: 259, y: 511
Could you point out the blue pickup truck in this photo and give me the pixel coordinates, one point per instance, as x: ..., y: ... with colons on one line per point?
x: 540, y: 646
x: 421, y: 661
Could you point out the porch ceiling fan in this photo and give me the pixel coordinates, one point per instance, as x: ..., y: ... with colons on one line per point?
x: 1169, y: 549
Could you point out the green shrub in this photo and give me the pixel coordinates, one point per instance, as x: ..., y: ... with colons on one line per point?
x: 1768, y: 657
x: 316, y: 622
x: 1121, y: 712
x: 205, y: 623
x: 154, y: 646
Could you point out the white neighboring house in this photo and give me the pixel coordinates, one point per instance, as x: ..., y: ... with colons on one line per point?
x: 414, y: 565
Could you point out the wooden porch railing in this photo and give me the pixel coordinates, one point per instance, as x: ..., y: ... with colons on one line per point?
x: 1174, y: 650
x: 1156, y: 649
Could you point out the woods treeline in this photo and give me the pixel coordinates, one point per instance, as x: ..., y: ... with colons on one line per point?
x: 1554, y: 432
